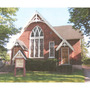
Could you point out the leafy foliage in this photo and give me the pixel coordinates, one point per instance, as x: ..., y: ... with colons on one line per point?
x: 7, y: 26
x: 41, y: 65
x: 84, y: 50
x: 4, y: 55
x: 65, y: 69
x: 86, y: 61
x: 80, y: 17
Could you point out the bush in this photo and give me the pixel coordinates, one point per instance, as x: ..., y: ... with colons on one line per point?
x: 41, y: 65
x: 65, y: 69
x: 86, y: 61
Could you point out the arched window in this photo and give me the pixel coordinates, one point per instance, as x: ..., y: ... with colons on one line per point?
x: 36, y: 42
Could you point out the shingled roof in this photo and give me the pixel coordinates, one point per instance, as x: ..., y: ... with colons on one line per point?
x: 21, y: 43
x: 68, y: 33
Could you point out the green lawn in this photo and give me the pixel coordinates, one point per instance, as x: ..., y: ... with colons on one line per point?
x: 39, y: 76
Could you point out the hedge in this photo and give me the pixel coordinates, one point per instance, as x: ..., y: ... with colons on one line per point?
x: 65, y: 69
x: 86, y: 61
x: 47, y: 65
x: 41, y: 65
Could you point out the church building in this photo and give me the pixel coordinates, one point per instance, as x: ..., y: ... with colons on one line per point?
x: 40, y: 40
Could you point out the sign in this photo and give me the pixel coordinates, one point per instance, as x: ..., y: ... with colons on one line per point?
x: 19, y: 63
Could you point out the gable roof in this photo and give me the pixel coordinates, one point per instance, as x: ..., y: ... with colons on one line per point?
x: 21, y: 54
x: 67, y: 32
x: 37, y: 17
x: 21, y: 43
x: 61, y: 44
x: 41, y: 19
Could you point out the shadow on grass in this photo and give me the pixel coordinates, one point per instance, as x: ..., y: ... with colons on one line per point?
x: 40, y: 76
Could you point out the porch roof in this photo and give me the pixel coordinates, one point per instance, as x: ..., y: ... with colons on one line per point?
x: 21, y: 43
x: 67, y: 44
x: 23, y: 55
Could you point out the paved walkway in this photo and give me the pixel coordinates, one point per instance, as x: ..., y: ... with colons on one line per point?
x: 3, y: 72
x: 87, y: 74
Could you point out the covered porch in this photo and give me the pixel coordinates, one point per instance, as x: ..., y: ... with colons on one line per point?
x: 63, y: 53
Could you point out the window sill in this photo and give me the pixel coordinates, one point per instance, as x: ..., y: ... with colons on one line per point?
x: 36, y: 57
x: 51, y: 57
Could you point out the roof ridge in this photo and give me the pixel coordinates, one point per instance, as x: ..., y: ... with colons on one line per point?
x: 62, y: 25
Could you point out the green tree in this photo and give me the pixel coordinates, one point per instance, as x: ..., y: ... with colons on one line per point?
x: 80, y: 17
x: 7, y: 27
x: 84, y: 50
x: 4, y: 55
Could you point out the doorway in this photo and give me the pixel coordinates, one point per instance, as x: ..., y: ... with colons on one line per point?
x: 64, y: 55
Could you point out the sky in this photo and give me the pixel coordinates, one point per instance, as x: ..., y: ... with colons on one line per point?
x: 55, y: 16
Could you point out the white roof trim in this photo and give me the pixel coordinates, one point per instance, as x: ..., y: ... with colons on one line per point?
x: 59, y: 46
x: 15, y: 43
x: 69, y: 45
x: 17, y: 54
x: 49, y: 25
x: 19, y: 44
x: 28, y: 23
x: 62, y: 43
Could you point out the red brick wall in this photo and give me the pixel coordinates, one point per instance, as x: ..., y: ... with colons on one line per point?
x: 14, y: 50
x: 75, y: 56
x: 49, y: 35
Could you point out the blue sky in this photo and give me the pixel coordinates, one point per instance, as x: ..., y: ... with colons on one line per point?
x: 55, y: 16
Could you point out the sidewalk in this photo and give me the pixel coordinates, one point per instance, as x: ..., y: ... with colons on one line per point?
x: 3, y: 72
x: 87, y: 74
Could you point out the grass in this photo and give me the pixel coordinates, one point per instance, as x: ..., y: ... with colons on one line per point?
x: 39, y: 76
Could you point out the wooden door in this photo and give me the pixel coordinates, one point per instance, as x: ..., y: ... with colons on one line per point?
x: 64, y: 55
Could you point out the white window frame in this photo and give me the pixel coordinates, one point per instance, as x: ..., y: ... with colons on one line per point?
x: 39, y: 37
x: 68, y: 57
x: 49, y: 49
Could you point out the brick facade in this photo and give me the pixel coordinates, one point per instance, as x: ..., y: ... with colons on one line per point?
x: 49, y: 35
x: 75, y: 56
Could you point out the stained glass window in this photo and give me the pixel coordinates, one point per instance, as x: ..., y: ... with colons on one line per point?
x: 51, y: 48
x: 37, y: 42
x: 37, y: 33
x: 32, y: 34
x: 41, y: 34
x: 32, y: 47
x: 41, y: 47
x: 36, y: 47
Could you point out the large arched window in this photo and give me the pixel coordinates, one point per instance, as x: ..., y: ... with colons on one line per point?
x: 36, y: 42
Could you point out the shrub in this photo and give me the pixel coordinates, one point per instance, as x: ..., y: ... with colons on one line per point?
x: 75, y: 62
x: 41, y: 65
x: 65, y: 69
x: 86, y: 61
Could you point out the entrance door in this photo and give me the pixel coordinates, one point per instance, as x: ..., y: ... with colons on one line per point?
x: 64, y: 55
